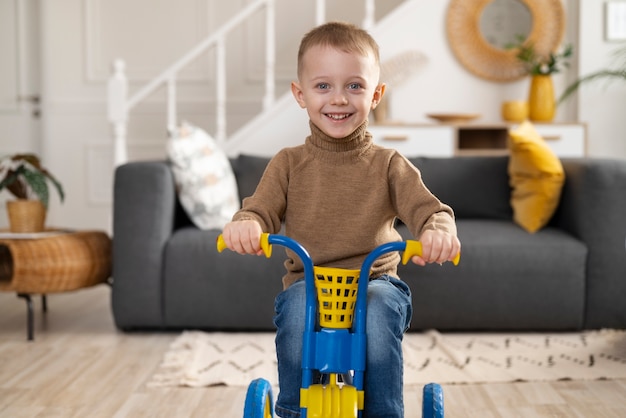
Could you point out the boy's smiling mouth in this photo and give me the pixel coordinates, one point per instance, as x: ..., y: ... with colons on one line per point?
x: 338, y: 116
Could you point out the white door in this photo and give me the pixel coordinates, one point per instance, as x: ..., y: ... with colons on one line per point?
x: 19, y: 82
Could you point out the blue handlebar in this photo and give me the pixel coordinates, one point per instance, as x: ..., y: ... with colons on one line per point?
x: 409, y: 248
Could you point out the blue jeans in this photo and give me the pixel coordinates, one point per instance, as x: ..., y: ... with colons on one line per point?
x: 389, y: 313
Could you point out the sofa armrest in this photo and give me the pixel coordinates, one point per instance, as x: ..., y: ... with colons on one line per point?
x: 592, y: 209
x: 144, y: 206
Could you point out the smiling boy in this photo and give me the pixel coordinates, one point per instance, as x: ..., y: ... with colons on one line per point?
x: 339, y: 195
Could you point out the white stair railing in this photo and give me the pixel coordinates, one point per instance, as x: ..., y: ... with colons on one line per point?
x: 120, y: 105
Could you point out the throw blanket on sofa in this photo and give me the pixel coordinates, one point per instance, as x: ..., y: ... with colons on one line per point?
x: 204, y: 359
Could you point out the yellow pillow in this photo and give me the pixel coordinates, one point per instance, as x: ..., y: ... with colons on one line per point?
x: 536, y: 177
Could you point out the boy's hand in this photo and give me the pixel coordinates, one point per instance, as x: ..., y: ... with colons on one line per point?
x: 437, y: 247
x: 243, y: 237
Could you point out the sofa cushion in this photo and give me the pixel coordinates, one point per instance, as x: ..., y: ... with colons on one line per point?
x: 507, y: 279
x: 475, y: 187
x: 249, y: 170
x: 536, y: 176
x: 217, y: 291
x: 205, y: 182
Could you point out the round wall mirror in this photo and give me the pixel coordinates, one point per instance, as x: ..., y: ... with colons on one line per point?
x: 504, y: 22
x: 481, y: 31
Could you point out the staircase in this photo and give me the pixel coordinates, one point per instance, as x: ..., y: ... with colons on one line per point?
x: 276, y: 116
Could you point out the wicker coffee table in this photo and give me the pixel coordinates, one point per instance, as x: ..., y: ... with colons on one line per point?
x: 52, y: 262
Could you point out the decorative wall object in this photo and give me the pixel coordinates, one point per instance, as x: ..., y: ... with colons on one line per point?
x: 615, y: 20
x: 490, y: 62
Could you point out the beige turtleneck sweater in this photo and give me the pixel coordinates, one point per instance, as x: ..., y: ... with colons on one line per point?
x: 339, y: 198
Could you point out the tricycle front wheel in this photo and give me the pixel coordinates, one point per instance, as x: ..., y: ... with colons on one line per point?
x: 259, y: 400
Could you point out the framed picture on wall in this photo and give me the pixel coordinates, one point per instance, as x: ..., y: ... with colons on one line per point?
x: 615, y: 20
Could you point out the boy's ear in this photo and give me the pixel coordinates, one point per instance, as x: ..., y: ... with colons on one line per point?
x: 296, y: 90
x: 378, y: 95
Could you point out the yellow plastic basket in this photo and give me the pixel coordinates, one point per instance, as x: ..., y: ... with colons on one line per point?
x: 336, y: 295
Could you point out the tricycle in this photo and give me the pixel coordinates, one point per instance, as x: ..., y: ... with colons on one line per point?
x: 334, y: 340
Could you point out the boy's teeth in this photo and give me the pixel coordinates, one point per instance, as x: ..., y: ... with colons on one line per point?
x: 338, y: 117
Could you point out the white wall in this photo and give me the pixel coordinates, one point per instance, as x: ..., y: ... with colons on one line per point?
x: 442, y: 85
x: 602, y: 106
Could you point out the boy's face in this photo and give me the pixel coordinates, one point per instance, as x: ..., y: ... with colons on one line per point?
x: 338, y: 89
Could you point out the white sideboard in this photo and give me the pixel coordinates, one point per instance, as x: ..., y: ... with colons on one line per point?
x: 446, y: 140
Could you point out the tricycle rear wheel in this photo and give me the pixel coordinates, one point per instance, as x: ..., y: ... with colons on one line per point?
x: 432, y: 401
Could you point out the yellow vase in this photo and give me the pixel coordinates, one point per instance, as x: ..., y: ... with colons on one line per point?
x: 541, y: 102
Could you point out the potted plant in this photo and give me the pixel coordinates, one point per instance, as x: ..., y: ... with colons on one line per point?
x: 27, y: 180
x: 607, y: 74
x: 540, y: 64
x: 541, y: 99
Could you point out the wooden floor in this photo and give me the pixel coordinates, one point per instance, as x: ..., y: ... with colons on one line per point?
x: 80, y: 366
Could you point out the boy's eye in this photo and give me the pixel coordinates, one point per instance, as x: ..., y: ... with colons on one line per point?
x: 354, y: 86
x: 323, y: 86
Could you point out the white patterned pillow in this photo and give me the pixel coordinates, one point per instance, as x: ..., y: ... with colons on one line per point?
x: 206, y: 185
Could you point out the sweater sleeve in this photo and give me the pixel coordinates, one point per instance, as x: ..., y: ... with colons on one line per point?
x: 267, y: 204
x: 416, y: 206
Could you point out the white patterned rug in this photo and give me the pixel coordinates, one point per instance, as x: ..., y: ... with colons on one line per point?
x: 203, y: 359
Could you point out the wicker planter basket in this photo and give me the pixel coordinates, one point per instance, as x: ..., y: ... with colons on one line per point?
x: 26, y: 215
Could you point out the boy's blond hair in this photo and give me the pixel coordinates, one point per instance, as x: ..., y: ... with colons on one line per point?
x: 344, y: 36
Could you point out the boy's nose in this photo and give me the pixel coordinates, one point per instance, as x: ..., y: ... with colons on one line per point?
x: 339, y: 99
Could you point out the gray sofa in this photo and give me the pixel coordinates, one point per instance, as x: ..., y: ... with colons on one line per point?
x: 570, y: 275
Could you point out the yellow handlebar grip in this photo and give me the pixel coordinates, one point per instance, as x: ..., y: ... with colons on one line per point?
x: 415, y: 248
x: 220, y: 243
x: 265, y: 245
x: 412, y: 248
